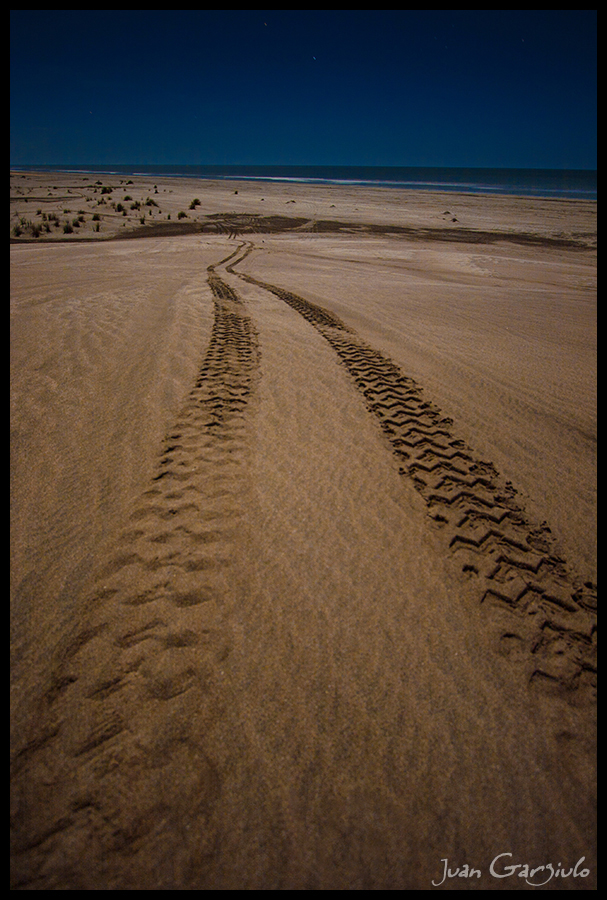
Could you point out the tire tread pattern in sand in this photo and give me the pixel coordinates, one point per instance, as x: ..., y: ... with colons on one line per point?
x: 99, y: 777
x: 545, y: 614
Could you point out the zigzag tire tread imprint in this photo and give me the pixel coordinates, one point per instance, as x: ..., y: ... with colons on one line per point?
x: 95, y: 778
x: 156, y: 616
x: 489, y: 536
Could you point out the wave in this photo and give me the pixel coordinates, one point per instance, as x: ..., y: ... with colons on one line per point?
x: 549, y: 183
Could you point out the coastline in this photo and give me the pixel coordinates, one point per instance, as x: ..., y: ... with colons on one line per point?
x: 165, y: 203
x: 573, y: 183
x: 262, y: 635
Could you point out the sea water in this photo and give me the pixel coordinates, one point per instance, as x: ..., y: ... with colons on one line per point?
x: 555, y: 183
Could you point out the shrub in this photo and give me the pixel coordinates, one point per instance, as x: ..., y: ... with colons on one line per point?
x: 106, y: 190
x: 136, y: 205
x: 96, y: 217
x: 67, y: 228
x: 195, y: 203
x: 150, y: 202
x: 182, y: 215
x: 17, y: 231
x: 75, y: 223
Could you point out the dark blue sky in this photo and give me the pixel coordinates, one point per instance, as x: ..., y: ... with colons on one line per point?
x: 505, y: 88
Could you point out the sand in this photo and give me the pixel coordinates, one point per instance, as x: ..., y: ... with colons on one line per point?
x: 303, y: 539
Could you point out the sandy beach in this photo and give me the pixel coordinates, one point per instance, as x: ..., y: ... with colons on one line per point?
x: 303, y: 518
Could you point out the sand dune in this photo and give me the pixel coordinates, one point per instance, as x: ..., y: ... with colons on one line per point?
x: 303, y: 552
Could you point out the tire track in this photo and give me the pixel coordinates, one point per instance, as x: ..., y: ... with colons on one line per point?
x: 118, y: 766
x: 547, y: 615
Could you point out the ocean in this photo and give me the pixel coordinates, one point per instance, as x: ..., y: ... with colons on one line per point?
x: 550, y: 183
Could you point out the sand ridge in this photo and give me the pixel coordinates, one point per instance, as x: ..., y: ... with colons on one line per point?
x: 320, y: 642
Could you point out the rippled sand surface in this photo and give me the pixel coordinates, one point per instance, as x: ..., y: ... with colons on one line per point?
x: 303, y: 544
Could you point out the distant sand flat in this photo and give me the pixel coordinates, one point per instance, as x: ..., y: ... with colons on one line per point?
x: 303, y: 537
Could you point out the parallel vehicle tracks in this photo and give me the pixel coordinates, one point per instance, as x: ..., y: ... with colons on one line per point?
x: 95, y: 778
